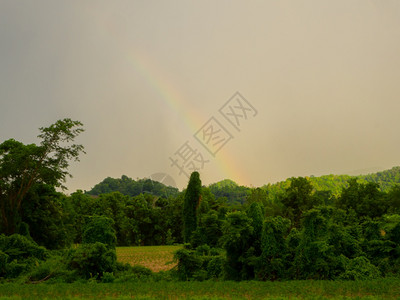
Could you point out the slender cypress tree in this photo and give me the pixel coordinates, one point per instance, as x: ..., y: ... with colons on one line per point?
x: 191, y: 202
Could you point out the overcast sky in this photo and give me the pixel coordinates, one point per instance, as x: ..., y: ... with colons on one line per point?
x: 152, y: 82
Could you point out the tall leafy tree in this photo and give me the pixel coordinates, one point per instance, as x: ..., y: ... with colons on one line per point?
x: 272, y: 261
x: 191, y: 202
x: 22, y: 166
x: 237, y: 241
x: 298, y: 199
x: 100, y: 229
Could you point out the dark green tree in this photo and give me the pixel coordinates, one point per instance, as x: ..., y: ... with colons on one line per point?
x: 365, y: 199
x: 191, y: 202
x: 298, y: 199
x: 22, y: 166
x: 78, y: 207
x: 255, y: 212
x: 236, y: 239
x: 272, y: 263
x: 100, y: 229
x: 44, y: 215
x: 92, y: 260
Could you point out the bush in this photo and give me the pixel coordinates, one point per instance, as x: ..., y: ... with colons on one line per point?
x: 188, y: 263
x: 360, y: 268
x: 3, y: 262
x: 108, y: 277
x: 18, y: 254
x: 15, y: 269
x: 92, y: 260
x: 99, y: 229
x: 215, y: 267
x: 19, y: 247
x: 54, y: 268
x: 141, y: 271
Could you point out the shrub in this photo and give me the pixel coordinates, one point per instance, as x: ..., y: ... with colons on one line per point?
x: 188, y: 263
x: 18, y: 254
x: 19, y: 247
x: 215, y: 267
x: 54, y: 268
x: 100, y: 229
x: 141, y: 271
x: 92, y: 260
x: 108, y: 277
x: 360, y: 268
x: 3, y: 262
x: 15, y: 269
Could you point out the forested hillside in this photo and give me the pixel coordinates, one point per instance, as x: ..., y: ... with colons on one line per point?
x: 129, y: 187
x: 237, y: 194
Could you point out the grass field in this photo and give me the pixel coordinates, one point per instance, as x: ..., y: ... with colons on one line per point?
x: 376, y: 289
x: 156, y: 258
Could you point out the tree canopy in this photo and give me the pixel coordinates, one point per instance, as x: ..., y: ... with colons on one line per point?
x: 22, y: 166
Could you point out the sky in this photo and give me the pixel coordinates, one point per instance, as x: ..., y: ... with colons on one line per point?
x: 253, y: 91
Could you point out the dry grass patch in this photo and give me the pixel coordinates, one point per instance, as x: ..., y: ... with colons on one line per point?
x: 156, y: 258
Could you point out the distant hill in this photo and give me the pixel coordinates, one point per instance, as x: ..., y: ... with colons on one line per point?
x: 334, y: 183
x: 235, y: 193
x: 385, y: 179
x: 130, y: 187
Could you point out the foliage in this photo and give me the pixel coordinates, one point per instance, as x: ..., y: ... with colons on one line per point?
x: 45, y: 217
x: 18, y: 254
x: 92, y: 260
x: 329, y: 227
x: 22, y: 166
x: 230, y: 190
x: 129, y: 187
x: 298, y: 198
x: 365, y: 199
x: 272, y: 262
x: 99, y: 229
x: 360, y: 268
x: 188, y: 264
x: 236, y: 239
x: 191, y: 202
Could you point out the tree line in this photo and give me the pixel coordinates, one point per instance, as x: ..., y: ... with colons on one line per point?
x: 296, y: 229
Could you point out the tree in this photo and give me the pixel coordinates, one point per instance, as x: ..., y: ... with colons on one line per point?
x: 22, y: 166
x: 44, y: 216
x: 272, y: 261
x: 366, y: 200
x: 191, y: 202
x: 298, y: 199
x: 237, y: 241
x: 100, y: 229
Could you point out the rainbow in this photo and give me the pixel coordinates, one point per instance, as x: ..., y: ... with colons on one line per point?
x: 162, y: 84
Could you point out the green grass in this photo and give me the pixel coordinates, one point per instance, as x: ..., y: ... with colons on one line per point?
x: 374, y: 289
x: 156, y: 258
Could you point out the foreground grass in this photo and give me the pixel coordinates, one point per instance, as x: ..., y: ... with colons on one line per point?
x: 375, y: 289
x: 156, y: 258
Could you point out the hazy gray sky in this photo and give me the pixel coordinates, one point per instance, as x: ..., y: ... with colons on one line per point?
x: 145, y: 76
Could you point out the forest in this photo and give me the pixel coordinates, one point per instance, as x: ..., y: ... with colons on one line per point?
x: 333, y: 227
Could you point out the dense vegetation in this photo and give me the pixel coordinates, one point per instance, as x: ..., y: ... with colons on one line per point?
x: 329, y: 227
x: 130, y: 187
